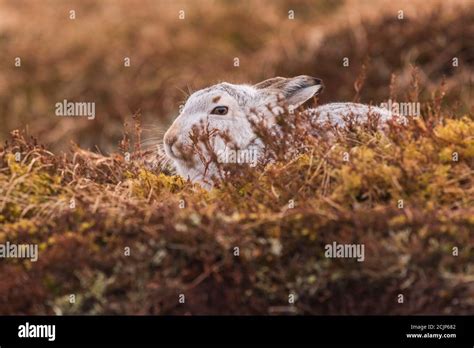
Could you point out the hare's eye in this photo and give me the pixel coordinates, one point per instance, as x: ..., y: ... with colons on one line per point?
x: 220, y: 110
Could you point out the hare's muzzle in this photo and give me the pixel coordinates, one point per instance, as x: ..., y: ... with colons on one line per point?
x: 171, y: 142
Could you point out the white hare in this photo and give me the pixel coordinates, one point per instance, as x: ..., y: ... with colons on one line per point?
x: 225, y: 108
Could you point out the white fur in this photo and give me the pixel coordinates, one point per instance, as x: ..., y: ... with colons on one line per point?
x: 244, y: 100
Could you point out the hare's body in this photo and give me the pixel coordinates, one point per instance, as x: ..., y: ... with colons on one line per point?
x: 335, y: 113
x: 225, y: 111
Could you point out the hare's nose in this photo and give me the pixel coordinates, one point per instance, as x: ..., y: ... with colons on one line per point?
x: 171, y: 142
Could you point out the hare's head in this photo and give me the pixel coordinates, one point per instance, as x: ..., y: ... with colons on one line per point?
x: 222, y: 113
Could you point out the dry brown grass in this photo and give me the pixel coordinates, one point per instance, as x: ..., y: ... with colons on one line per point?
x: 189, y: 248
x: 120, y: 204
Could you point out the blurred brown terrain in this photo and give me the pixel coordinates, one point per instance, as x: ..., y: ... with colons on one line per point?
x: 116, y: 235
x: 83, y: 59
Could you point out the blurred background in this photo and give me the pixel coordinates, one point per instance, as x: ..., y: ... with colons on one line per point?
x: 82, y: 59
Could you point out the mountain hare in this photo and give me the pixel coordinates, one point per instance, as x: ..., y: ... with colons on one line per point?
x: 224, y: 110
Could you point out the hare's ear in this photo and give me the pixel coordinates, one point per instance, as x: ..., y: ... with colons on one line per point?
x: 270, y: 82
x: 296, y: 90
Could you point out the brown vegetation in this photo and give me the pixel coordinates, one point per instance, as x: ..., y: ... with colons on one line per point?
x: 182, y: 237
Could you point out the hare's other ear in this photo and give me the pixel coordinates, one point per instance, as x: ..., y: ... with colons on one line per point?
x: 270, y: 82
x: 296, y: 90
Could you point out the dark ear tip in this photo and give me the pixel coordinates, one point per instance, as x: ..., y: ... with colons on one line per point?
x: 312, y: 81
x: 319, y: 82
